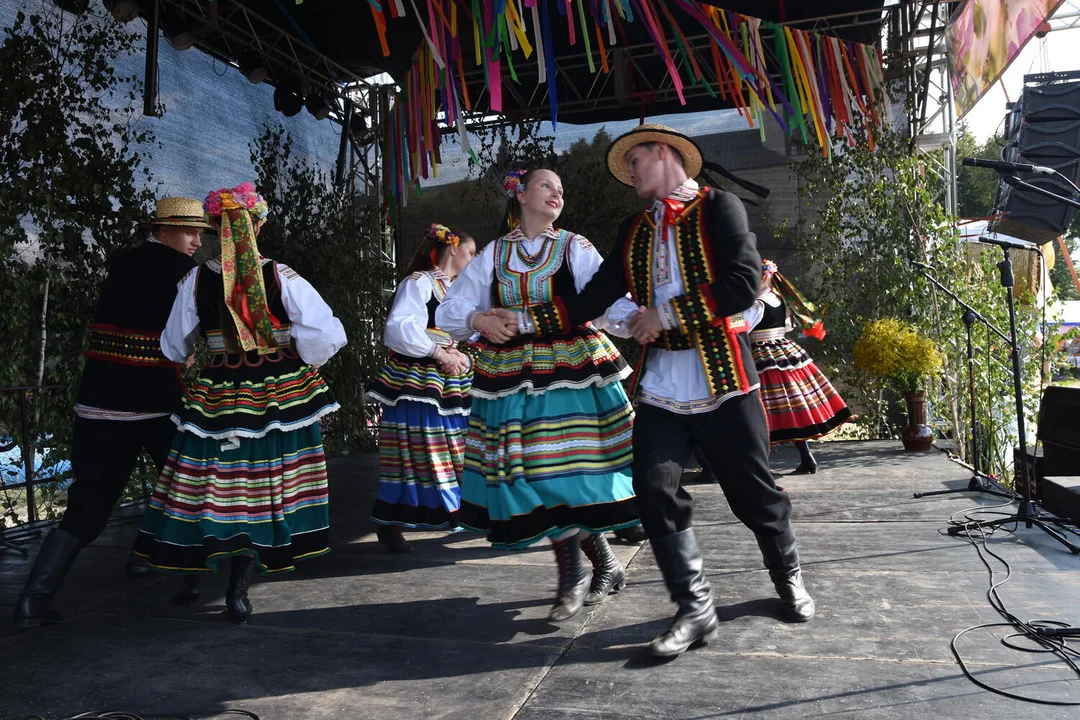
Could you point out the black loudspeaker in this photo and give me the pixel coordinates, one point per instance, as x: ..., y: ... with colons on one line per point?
x: 1042, y: 128
x: 1059, y: 433
x: 1059, y: 430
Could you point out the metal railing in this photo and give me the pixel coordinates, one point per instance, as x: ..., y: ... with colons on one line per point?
x: 28, y: 445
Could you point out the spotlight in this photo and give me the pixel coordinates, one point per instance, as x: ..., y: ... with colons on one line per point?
x: 252, y: 67
x: 316, y: 105
x: 180, y: 33
x: 123, y: 11
x: 183, y: 40
x: 73, y: 6
x: 358, y: 123
x: 287, y: 102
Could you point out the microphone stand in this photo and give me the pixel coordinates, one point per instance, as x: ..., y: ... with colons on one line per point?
x: 1026, y: 512
x: 1016, y: 182
x: 979, y: 482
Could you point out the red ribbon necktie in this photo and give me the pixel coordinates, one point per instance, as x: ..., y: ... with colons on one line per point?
x: 672, y: 210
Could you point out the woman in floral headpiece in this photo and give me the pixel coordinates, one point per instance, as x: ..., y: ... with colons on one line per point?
x: 246, y: 477
x: 548, y: 448
x: 800, y: 403
x: 424, y: 390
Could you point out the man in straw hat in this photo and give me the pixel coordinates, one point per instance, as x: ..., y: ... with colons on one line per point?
x: 128, y: 391
x: 690, y: 262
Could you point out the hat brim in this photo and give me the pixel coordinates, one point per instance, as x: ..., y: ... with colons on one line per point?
x: 616, y: 155
x: 192, y: 222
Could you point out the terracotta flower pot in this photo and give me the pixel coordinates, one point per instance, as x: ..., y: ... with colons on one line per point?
x: 917, y: 436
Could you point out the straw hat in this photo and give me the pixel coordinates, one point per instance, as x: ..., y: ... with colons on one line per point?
x: 652, y: 133
x: 178, y: 212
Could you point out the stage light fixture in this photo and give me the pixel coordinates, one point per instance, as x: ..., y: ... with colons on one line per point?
x: 358, y: 125
x: 179, y: 32
x: 316, y: 105
x: 123, y: 11
x: 252, y: 67
x: 287, y: 102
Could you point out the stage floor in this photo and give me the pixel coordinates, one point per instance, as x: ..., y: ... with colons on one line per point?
x: 458, y: 630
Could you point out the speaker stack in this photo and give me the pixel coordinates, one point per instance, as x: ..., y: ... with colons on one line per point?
x: 1041, y: 128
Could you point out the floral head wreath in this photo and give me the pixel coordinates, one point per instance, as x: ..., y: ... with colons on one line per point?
x: 243, y: 196
x: 442, y: 234
x: 512, y: 184
x: 244, y: 288
x: 768, y: 267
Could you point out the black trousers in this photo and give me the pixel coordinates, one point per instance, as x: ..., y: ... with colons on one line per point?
x: 103, y: 454
x: 734, y: 439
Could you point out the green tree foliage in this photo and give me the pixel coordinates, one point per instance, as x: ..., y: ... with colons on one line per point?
x: 871, y: 213
x: 324, y: 233
x: 73, y: 185
x: 596, y: 203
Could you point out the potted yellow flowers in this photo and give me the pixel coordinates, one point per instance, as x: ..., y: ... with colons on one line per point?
x: 896, y: 352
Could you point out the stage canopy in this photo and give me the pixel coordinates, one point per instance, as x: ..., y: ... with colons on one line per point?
x: 330, y: 43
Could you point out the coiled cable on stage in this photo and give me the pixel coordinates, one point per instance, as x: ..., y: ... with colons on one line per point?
x: 1040, y: 636
x: 120, y: 715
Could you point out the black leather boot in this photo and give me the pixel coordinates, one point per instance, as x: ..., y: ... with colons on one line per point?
x: 35, y: 603
x: 236, y: 596
x: 608, y: 574
x: 391, y: 537
x: 683, y: 569
x: 807, y: 463
x: 632, y: 534
x: 573, y: 581
x: 188, y: 592
x: 781, y: 556
x: 138, y: 568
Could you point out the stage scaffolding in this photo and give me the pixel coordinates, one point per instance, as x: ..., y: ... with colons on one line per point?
x: 912, y: 33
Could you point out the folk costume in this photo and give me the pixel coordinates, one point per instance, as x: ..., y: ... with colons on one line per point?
x: 246, y: 476
x: 425, y: 411
x: 548, y: 449
x: 128, y: 390
x: 800, y: 403
x: 691, y: 256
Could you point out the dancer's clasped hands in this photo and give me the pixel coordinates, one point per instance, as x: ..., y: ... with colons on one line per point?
x: 452, y: 361
x: 496, y: 325
x: 645, y: 326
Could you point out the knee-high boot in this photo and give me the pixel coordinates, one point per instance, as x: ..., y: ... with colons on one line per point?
x: 188, y: 592
x: 781, y: 556
x: 573, y: 583
x: 807, y: 463
x: 35, y: 604
x: 608, y: 574
x: 683, y: 569
x: 236, y: 596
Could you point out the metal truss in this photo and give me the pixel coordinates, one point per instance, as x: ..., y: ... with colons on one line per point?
x: 229, y: 29
x: 1067, y: 16
x: 916, y: 47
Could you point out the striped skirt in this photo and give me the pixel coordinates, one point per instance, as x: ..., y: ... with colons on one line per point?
x: 420, y: 457
x: 536, y: 465
x: 800, y: 402
x: 267, y: 496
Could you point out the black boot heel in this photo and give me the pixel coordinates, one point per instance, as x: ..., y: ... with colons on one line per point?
x: 573, y: 582
x: 188, y: 592
x: 609, y: 575
x: 236, y: 596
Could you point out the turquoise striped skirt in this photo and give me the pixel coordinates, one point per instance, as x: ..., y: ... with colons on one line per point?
x: 536, y: 465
